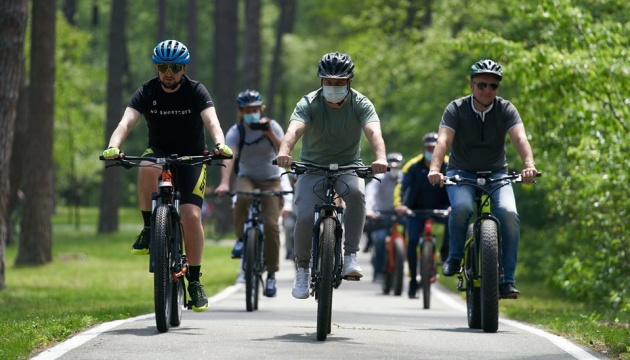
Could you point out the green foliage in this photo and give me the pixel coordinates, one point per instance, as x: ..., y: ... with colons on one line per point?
x: 566, y: 70
x: 93, y: 279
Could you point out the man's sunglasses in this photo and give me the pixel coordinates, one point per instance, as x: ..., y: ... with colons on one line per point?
x: 174, y: 68
x: 483, y: 85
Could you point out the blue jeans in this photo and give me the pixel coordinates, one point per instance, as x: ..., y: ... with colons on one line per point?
x: 378, y: 256
x: 415, y: 226
x: 503, y: 207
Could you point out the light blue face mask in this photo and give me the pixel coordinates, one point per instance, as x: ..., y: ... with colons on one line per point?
x: 335, y: 94
x: 428, y: 155
x: 251, y: 118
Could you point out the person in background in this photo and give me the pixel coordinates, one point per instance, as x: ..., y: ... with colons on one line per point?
x: 474, y: 128
x: 255, y: 139
x: 176, y: 109
x: 331, y: 121
x: 416, y: 193
x: 288, y: 215
x: 379, y: 207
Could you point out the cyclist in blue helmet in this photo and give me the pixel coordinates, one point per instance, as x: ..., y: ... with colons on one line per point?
x: 255, y: 139
x: 176, y: 109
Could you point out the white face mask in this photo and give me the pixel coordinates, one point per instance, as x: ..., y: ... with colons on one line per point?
x: 251, y: 118
x: 335, y: 94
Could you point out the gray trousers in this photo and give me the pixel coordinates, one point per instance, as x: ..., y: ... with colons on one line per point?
x: 309, y: 191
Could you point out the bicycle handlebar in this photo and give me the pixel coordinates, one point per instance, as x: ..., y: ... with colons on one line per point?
x: 128, y: 161
x: 301, y: 167
x: 256, y: 192
x: 484, y: 179
x: 437, y: 213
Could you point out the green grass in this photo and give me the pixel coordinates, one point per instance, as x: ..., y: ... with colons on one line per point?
x: 604, y: 333
x: 92, y: 279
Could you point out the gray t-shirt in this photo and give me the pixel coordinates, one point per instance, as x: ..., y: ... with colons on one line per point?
x: 257, y: 153
x: 479, y: 142
x: 333, y: 136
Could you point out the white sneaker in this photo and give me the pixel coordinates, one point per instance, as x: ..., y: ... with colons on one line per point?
x: 300, y: 285
x: 351, y: 266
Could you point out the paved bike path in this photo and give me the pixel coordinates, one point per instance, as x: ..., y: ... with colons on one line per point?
x: 366, y: 324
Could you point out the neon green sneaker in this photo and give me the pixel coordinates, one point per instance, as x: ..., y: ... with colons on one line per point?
x: 197, y: 296
x: 141, y: 246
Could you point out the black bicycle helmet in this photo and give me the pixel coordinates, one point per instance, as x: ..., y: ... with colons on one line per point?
x: 171, y: 51
x: 486, y: 67
x: 430, y: 139
x: 336, y: 66
x: 249, y: 98
x: 394, y: 159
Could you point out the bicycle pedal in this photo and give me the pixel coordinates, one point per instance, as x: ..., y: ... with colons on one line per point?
x: 460, y: 284
x: 352, y: 278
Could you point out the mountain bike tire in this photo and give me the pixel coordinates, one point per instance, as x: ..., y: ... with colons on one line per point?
x: 473, y: 291
x: 249, y: 264
x: 399, y: 265
x: 388, y: 272
x: 325, y: 278
x: 427, y: 264
x: 160, y: 240
x: 177, y: 289
x: 489, y: 276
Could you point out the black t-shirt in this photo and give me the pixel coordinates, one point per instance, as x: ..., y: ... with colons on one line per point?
x: 479, y: 144
x: 174, y: 120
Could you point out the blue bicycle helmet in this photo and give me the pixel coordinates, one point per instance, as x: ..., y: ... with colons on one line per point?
x: 336, y: 66
x: 171, y: 51
x: 486, y: 67
x: 249, y: 98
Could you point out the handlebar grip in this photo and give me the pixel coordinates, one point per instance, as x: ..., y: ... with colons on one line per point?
x: 274, y: 162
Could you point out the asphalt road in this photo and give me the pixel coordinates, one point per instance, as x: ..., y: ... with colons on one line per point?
x: 366, y: 325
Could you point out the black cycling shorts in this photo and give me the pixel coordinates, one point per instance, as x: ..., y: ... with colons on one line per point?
x: 189, y: 180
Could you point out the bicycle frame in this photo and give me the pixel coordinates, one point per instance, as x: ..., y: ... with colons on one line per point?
x: 167, y: 260
x: 326, y: 240
x: 482, y: 263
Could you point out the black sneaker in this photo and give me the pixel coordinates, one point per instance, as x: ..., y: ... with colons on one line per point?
x: 141, y: 246
x: 451, y: 267
x: 237, y: 251
x: 270, y: 287
x: 197, y: 296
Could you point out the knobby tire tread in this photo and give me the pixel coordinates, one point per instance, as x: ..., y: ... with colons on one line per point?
x: 325, y: 281
x: 426, y: 271
x: 388, y: 274
x: 399, y: 265
x: 490, y: 276
x: 159, y: 246
x: 249, y: 264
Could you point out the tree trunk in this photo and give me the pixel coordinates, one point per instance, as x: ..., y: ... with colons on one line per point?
x: 20, y: 141
x: 224, y: 89
x: 252, y: 45
x: 192, y: 41
x: 69, y: 10
x: 285, y: 26
x: 110, y: 186
x: 13, y: 16
x: 161, y: 20
x: 36, y: 235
